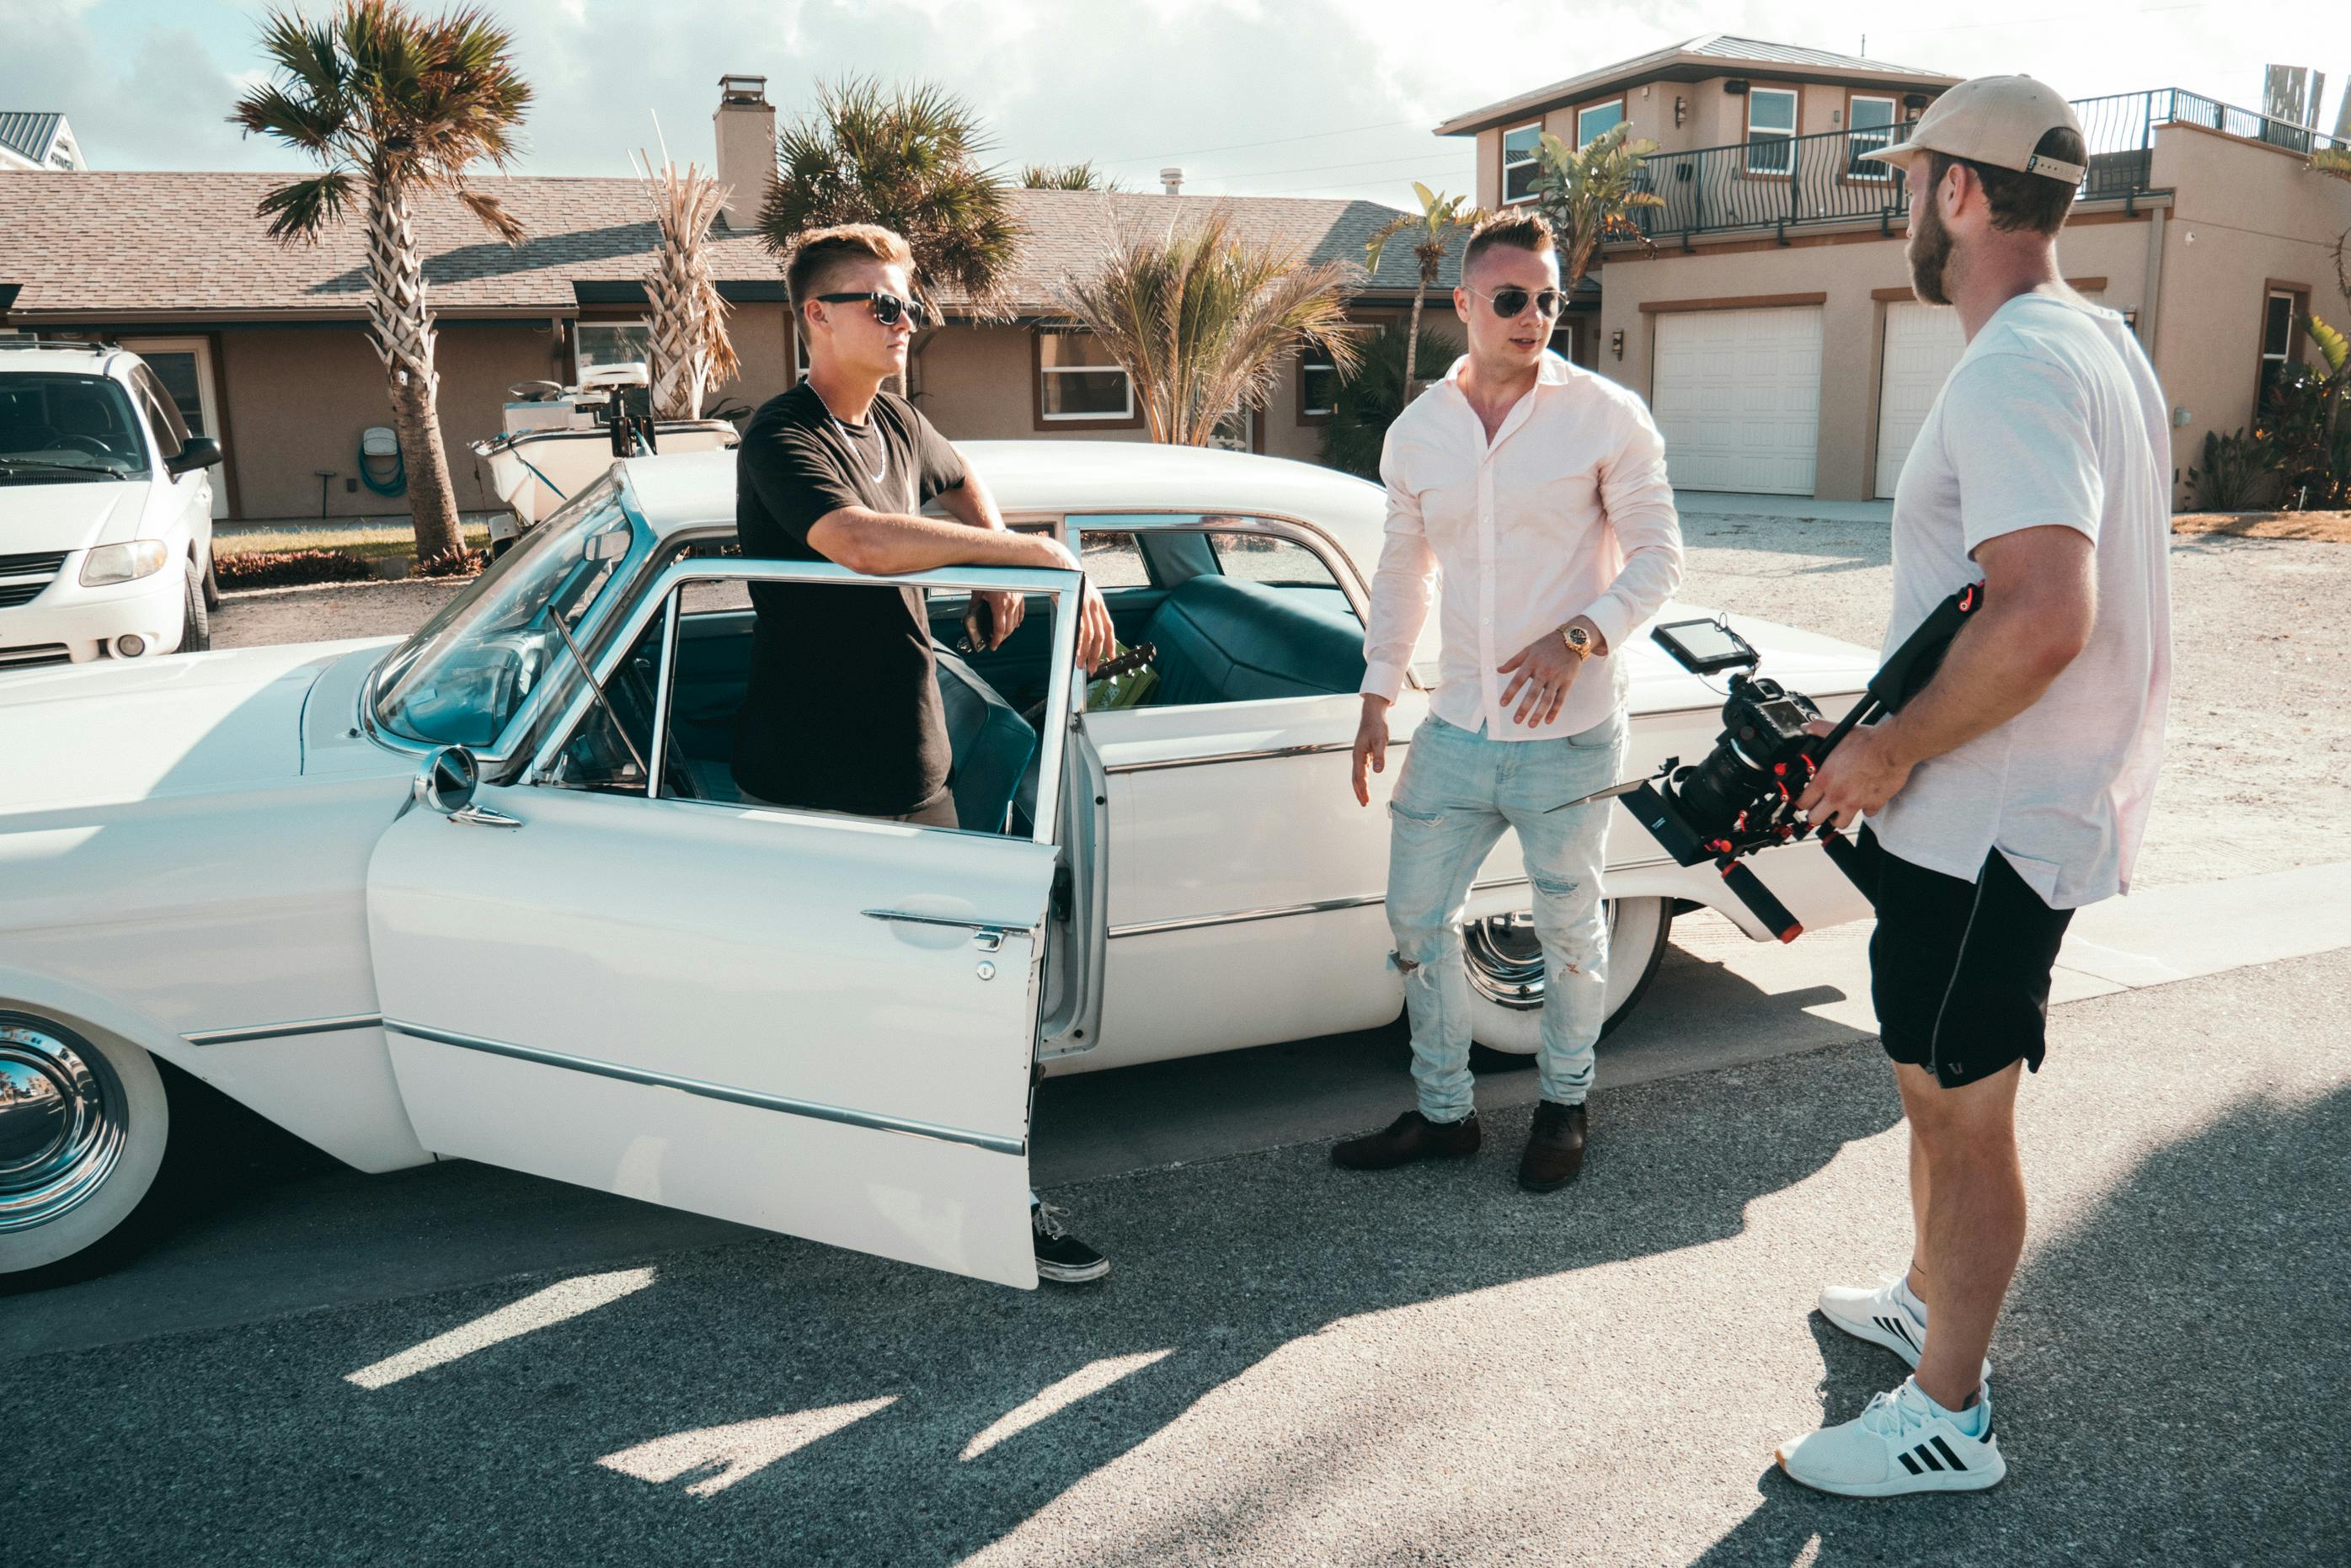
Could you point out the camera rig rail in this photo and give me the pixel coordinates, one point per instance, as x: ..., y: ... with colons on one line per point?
x: 1741, y: 796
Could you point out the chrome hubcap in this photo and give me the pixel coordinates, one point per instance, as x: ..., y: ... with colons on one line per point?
x: 1504, y: 959
x: 63, y: 1123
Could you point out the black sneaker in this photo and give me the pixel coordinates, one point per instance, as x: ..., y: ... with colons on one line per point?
x: 1061, y: 1257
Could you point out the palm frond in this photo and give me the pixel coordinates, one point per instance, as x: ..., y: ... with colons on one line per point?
x: 300, y: 211
x: 493, y: 214
x: 1202, y: 320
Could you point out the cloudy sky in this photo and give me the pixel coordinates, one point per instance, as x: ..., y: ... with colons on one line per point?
x: 1250, y: 97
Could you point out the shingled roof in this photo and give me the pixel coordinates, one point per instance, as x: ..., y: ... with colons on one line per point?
x: 1697, y: 60
x: 105, y: 247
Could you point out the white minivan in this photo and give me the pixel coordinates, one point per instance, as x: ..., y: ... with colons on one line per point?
x: 106, y: 516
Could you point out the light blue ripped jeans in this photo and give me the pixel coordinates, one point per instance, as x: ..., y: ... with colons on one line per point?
x: 1458, y: 791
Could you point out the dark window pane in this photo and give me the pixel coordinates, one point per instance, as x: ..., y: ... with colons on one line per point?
x: 1318, y: 388
x: 1090, y: 393
x: 1520, y: 183
x: 2277, y: 328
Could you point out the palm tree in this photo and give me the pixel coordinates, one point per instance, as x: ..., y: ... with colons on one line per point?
x: 907, y: 159
x: 1200, y: 318
x: 1588, y: 194
x: 1439, y: 218
x: 1066, y: 177
x: 395, y: 105
x: 692, y: 351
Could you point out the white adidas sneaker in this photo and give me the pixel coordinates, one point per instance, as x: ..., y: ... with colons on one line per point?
x: 1878, y: 1315
x: 1899, y: 1444
x: 1882, y: 1316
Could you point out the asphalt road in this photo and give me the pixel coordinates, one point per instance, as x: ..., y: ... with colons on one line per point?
x: 1293, y: 1364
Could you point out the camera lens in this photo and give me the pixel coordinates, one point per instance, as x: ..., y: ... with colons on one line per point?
x: 1718, y: 790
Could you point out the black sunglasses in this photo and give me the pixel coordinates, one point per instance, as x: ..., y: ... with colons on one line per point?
x: 887, y: 308
x: 1509, y: 302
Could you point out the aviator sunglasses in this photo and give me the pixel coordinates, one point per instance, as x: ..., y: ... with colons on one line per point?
x: 887, y: 308
x: 1509, y: 302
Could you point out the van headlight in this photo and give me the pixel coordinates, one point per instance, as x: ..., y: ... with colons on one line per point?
x: 122, y: 563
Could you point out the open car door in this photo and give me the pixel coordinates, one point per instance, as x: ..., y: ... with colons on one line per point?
x: 817, y: 1024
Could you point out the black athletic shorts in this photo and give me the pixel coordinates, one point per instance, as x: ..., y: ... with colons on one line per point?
x: 1959, y: 970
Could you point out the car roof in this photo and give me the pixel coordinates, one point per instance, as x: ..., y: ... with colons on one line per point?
x: 695, y: 489
x: 61, y: 359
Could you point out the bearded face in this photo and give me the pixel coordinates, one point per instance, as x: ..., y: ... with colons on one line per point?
x: 1930, y: 249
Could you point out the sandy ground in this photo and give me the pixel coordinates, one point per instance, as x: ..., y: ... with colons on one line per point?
x: 2258, y: 773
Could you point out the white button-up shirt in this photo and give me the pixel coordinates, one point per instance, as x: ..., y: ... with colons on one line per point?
x: 1566, y: 512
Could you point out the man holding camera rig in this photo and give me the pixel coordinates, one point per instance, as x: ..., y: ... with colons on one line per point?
x: 1534, y: 494
x: 843, y: 711
x: 2013, y: 787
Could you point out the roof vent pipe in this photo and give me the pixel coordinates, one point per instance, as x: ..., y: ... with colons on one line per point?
x: 1171, y: 179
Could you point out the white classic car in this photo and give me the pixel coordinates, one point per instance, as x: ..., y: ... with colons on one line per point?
x: 451, y: 897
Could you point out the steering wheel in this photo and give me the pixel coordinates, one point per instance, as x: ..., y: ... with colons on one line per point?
x: 90, y: 444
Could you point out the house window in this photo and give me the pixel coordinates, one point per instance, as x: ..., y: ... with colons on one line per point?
x: 2278, y: 312
x: 1598, y: 119
x: 1869, y: 126
x: 612, y: 343
x: 1519, y: 162
x: 1079, y: 380
x: 1770, y: 130
x: 1318, y: 388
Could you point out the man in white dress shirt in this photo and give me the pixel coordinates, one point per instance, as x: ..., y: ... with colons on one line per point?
x: 1532, y: 496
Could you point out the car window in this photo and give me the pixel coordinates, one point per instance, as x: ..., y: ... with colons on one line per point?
x: 1113, y: 559
x: 163, y: 418
x: 1275, y: 562
x: 464, y: 676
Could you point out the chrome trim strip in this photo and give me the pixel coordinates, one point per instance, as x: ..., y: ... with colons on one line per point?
x: 1262, y: 754
x: 282, y: 1030
x: 900, y: 917
x: 1323, y: 907
x: 813, y: 1109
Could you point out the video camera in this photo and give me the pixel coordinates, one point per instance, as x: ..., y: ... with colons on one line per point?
x: 1741, y: 796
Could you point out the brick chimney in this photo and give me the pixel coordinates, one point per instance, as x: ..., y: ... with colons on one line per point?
x: 746, y: 133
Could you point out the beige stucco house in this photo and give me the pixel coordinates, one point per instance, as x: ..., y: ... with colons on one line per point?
x: 265, y: 346
x: 1769, y: 320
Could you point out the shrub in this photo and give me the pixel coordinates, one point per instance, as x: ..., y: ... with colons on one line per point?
x: 459, y: 563
x: 290, y: 568
x: 2235, y: 476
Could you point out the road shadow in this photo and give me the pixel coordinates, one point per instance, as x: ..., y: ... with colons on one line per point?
x: 2145, y: 1411
x: 701, y: 1416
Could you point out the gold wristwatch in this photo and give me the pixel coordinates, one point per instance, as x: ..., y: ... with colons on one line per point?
x: 1578, y: 640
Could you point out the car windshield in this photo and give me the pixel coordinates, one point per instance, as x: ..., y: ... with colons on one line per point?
x: 59, y: 427
x: 461, y: 679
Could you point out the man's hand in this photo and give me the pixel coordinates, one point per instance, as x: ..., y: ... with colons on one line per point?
x: 1542, y: 674
x: 1371, y: 746
x: 1097, y: 637
x: 1006, y: 610
x: 1866, y: 771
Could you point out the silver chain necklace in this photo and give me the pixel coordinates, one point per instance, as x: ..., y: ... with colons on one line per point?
x: 850, y: 442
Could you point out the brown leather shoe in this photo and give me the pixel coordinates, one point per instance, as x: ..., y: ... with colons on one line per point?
x: 1554, y: 1154
x: 1409, y: 1137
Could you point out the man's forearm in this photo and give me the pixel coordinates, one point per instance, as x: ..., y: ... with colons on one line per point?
x: 971, y: 504
x: 887, y: 544
x: 1999, y: 664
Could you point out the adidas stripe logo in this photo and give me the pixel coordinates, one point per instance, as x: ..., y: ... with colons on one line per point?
x: 1920, y: 1459
x: 1900, y: 1330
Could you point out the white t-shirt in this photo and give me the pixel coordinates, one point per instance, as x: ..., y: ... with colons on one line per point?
x: 2052, y: 416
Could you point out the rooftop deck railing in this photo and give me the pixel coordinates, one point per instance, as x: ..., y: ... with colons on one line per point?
x: 1791, y: 181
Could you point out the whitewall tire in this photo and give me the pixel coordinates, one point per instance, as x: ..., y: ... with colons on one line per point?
x: 1506, y: 971
x: 84, y: 1122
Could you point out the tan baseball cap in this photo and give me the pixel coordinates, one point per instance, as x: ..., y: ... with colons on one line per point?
x: 1996, y: 120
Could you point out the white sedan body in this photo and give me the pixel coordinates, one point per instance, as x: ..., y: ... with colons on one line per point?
x: 820, y: 1024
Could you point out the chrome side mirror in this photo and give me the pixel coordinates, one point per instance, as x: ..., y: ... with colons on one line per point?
x: 447, y: 779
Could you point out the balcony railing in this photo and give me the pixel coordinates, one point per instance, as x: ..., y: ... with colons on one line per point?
x: 1791, y: 182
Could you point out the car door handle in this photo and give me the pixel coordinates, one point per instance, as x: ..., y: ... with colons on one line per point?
x: 988, y: 935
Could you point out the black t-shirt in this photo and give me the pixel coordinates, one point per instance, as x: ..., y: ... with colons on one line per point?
x: 843, y: 713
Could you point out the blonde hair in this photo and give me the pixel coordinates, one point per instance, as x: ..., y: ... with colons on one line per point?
x: 819, y: 253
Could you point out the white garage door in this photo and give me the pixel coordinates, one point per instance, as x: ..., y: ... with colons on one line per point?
x: 1922, y: 343
x: 1738, y: 395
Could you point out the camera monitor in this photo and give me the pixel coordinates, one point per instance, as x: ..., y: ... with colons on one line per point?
x: 1703, y: 647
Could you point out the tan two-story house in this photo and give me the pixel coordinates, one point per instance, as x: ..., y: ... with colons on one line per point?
x: 1769, y: 318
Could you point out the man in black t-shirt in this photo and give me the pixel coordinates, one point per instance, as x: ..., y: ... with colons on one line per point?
x: 842, y: 711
